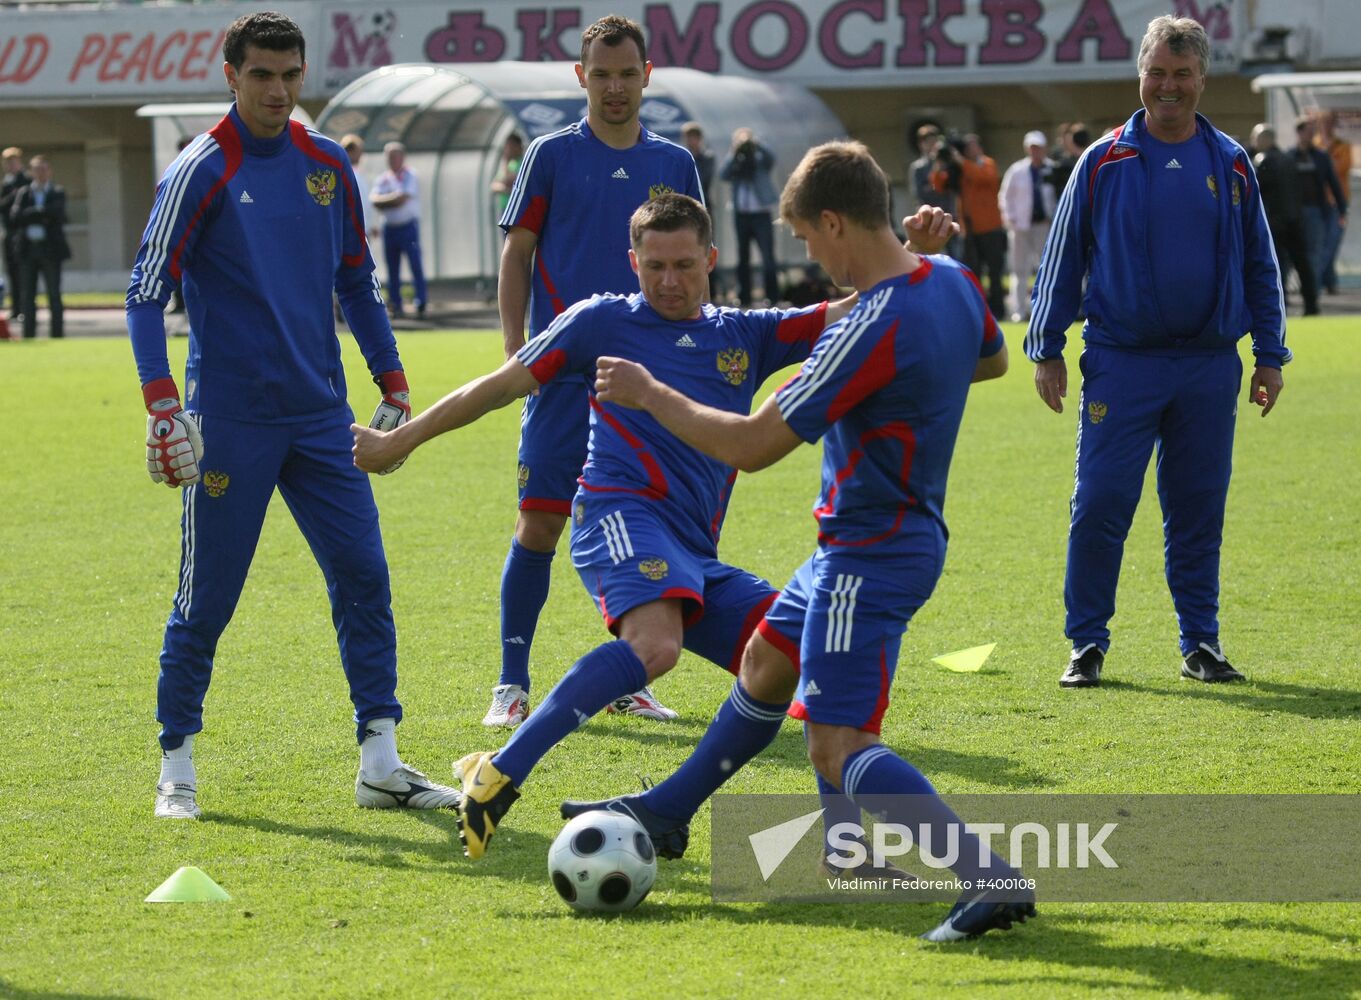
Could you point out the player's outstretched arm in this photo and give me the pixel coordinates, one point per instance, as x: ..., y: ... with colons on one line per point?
x: 375, y: 450
x: 993, y: 366
x: 748, y: 443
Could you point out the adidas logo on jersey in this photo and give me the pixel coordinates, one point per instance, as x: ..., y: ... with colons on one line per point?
x: 811, y: 688
x: 620, y: 175
x: 685, y: 341
x: 1172, y: 164
x: 246, y: 199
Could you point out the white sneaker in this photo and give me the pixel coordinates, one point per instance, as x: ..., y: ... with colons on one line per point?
x: 509, y: 706
x: 404, y: 788
x: 642, y: 703
x: 176, y: 801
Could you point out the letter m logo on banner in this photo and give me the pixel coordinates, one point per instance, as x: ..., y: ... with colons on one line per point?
x: 361, y: 40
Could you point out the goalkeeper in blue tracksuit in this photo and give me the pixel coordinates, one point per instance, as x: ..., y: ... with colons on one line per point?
x: 259, y: 220
x: 1164, y: 220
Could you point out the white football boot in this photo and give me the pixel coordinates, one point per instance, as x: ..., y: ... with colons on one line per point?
x: 176, y: 801
x: 404, y: 788
x: 509, y: 706
x: 643, y: 703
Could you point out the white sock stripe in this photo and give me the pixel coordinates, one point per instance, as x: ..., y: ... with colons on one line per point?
x: 744, y: 705
x: 850, y: 781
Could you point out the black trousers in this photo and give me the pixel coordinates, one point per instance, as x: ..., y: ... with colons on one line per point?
x: 756, y: 226
x: 13, y: 278
x: 35, y: 261
x: 988, y: 251
x: 1292, y: 250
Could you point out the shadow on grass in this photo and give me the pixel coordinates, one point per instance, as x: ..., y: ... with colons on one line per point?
x: 8, y: 991
x: 1176, y: 967
x: 1310, y: 701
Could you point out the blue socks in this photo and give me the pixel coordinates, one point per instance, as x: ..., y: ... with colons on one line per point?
x: 524, y: 588
x: 742, y: 728
x: 878, y: 780
x: 837, y: 808
x: 602, y: 675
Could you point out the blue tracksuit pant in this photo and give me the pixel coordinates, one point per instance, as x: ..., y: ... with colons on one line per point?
x: 332, y: 503
x: 1132, y: 401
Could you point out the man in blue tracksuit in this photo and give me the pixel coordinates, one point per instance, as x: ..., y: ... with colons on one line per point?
x: 1164, y: 220
x: 259, y: 220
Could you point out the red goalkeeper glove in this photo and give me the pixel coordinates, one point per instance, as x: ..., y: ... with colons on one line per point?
x: 395, y: 408
x: 174, y: 446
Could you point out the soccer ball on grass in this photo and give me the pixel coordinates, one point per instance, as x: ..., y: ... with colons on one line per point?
x: 602, y: 861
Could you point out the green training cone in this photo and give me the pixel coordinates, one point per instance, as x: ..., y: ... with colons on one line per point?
x: 188, y: 885
x: 966, y: 661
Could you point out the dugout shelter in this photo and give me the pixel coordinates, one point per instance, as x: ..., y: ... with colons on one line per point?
x: 453, y: 119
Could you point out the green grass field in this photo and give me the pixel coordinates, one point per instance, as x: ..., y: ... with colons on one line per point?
x: 329, y: 900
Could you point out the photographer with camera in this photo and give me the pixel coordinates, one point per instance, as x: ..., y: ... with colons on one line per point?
x: 747, y: 168
x: 928, y: 139
x: 985, y: 240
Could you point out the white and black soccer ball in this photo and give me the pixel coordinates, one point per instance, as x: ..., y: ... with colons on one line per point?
x: 602, y: 861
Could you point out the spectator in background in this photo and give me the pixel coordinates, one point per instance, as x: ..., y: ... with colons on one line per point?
x: 747, y: 168
x: 985, y: 241
x: 354, y: 150
x: 38, y: 218
x: 1073, y: 140
x: 1325, y: 206
x: 929, y: 142
x: 1280, y: 185
x: 396, y: 195
x: 1340, y: 152
x: 706, y: 165
x: 15, y: 178
x: 512, y: 153
x: 1027, y: 201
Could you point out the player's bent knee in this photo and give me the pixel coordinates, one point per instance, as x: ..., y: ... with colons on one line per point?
x: 766, y: 673
x: 829, y: 746
x: 539, y: 530
x: 659, y: 654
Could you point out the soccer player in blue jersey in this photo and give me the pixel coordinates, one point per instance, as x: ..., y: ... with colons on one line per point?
x: 1161, y: 238
x: 885, y: 390
x: 648, y: 511
x: 259, y: 220
x: 567, y: 238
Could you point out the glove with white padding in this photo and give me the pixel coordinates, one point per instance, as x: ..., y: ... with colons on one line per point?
x: 174, y: 446
x: 395, y: 408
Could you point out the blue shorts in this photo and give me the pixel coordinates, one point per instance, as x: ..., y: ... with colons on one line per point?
x: 841, y: 621
x: 554, y: 429
x: 627, y: 557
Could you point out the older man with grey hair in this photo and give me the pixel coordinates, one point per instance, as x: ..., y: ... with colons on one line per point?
x: 1160, y: 238
x: 396, y: 196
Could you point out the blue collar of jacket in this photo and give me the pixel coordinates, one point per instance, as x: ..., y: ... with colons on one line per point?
x: 255, y: 146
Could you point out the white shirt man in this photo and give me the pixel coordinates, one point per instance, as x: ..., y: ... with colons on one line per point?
x: 1027, y: 218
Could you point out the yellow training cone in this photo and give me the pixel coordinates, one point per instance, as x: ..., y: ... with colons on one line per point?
x: 188, y: 885
x: 966, y: 661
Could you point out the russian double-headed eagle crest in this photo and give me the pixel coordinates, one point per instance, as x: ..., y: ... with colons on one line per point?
x: 321, y: 185
x: 653, y: 569
x: 733, y: 363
